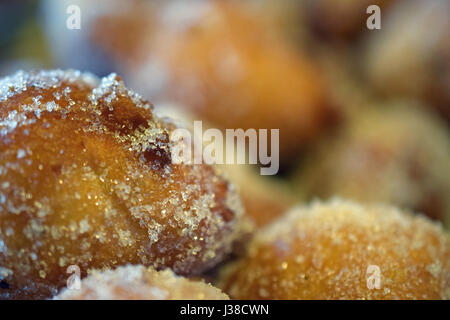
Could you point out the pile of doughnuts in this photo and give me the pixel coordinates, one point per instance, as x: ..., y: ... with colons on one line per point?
x: 93, y: 204
x: 87, y: 180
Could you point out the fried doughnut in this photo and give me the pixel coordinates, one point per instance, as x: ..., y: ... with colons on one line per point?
x: 406, y: 59
x: 140, y: 283
x: 86, y: 179
x: 342, y: 250
x: 221, y: 63
x: 399, y: 154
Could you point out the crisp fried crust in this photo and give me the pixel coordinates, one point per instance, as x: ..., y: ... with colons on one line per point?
x: 325, y: 251
x: 86, y: 179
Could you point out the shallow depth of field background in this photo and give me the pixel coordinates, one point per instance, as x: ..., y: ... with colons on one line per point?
x: 363, y: 114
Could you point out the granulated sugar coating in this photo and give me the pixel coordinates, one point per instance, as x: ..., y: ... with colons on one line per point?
x: 334, y: 250
x: 86, y: 179
x: 140, y: 283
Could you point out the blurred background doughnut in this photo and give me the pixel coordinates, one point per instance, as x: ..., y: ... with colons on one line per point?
x: 264, y: 199
x: 217, y: 59
x: 398, y: 153
x: 340, y: 20
x: 410, y: 56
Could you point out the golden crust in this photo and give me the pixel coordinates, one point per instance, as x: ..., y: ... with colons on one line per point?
x: 86, y: 179
x: 323, y: 252
x: 140, y: 283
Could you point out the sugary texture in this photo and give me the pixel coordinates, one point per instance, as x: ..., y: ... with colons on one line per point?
x: 338, y: 250
x: 341, y: 19
x: 399, y: 154
x: 406, y: 58
x: 140, y: 283
x: 264, y: 198
x: 86, y: 179
x: 219, y: 60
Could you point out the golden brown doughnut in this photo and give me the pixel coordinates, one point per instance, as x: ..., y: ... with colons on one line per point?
x: 222, y: 63
x: 140, y: 283
x: 399, y: 154
x: 338, y: 250
x: 86, y: 179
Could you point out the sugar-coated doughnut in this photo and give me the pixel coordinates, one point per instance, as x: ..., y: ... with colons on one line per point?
x: 140, y: 283
x: 86, y: 179
x: 343, y: 250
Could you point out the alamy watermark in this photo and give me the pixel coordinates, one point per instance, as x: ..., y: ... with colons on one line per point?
x: 74, y: 281
x: 373, y: 22
x: 236, y: 146
x: 73, y: 21
x: 373, y: 277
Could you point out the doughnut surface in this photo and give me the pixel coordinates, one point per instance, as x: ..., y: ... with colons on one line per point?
x: 332, y: 251
x: 86, y: 179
